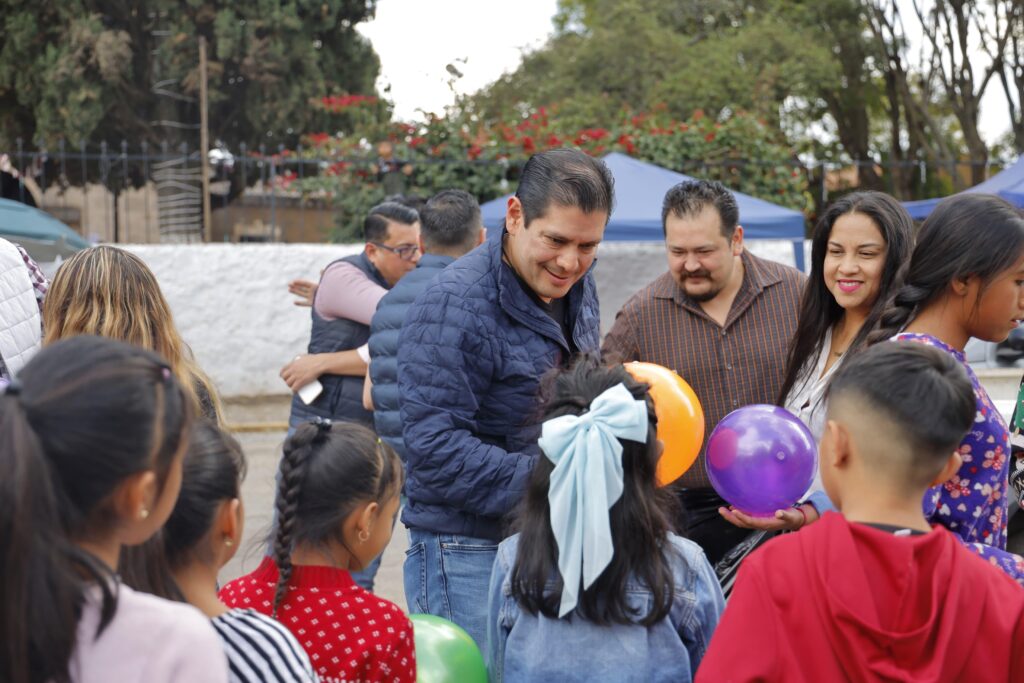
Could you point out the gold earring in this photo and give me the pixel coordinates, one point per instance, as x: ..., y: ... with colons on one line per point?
x: 364, y: 536
x: 143, y: 513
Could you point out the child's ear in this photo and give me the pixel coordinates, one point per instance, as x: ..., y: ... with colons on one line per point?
x: 363, y: 520
x: 961, y: 286
x: 834, y: 450
x: 133, y: 500
x: 951, y: 467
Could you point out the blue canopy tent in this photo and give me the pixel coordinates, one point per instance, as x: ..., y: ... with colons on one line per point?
x: 640, y: 188
x: 43, y: 236
x: 1008, y: 184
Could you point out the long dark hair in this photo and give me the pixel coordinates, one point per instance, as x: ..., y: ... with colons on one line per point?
x: 85, y: 414
x: 326, y: 472
x: 640, y: 519
x: 819, y: 311
x: 967, y: 234
x: 211, y: 473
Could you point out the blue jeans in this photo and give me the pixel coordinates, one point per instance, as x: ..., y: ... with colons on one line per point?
x: 448, y: 576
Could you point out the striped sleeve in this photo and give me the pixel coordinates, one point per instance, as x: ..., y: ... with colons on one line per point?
x: 260, y: 649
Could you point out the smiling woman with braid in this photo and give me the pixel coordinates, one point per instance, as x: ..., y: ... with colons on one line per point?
x: 336, y: 504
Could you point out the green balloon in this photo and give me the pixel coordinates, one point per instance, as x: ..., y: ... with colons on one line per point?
x: 445, y: 653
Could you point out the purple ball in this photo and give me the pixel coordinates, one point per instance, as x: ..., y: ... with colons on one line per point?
x: 761, y: 459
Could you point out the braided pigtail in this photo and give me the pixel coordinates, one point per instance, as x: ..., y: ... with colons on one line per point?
x: 901, y: 309
x: 297, y: 452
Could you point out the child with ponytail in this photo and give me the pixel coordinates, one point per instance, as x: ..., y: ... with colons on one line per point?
x: 202, y: 536
x: 91, y: 442
x: 595, y: 586
x: 966, y: 279
x: 337, y: 499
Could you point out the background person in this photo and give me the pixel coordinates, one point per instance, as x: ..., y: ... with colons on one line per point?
x: 554, y: 615
x: 470, y: 356
x: 720, y: 317
x: 21, y: 322
x: 857, y: 250
x: 877, y: 593
x: 966, y: 279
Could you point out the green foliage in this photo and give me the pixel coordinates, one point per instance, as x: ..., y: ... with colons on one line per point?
x: 460, y: 150
x: 68, y: 71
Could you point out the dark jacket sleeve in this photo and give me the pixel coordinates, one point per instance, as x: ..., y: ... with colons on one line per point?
x: 445, y: 364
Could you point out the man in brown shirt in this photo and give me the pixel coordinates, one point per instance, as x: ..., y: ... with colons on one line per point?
x: 720, y: 317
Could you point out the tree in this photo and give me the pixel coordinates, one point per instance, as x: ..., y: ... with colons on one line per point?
x: 950, y: 29
x: 128, y: 70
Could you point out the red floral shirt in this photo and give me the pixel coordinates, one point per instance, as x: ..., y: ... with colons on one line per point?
x: 350, y: 634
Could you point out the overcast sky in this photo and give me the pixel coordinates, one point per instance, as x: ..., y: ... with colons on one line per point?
x: 416, y: 39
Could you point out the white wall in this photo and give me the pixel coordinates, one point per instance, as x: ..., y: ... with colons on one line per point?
x: 232, y: 306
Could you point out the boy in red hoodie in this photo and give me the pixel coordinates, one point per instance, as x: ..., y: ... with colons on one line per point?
x: 874, y: 593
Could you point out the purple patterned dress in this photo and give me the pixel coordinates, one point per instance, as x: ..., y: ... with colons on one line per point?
x: 972, y: 504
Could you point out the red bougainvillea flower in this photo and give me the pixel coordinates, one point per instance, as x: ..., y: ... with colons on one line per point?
x: 709, y: 137
x: 553, y: 140
x: 529, y: 146
x: 336, y: 103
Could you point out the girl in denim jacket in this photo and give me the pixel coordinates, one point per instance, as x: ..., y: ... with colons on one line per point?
x: 602, y: 590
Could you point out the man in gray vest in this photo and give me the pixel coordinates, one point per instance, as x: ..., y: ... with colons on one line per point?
x: 392, y: 250
x: 450, y: 226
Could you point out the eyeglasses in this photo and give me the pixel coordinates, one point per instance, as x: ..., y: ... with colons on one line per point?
x: 406, y: 253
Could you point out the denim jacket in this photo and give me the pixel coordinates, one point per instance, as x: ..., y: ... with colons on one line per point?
x: 527, y: 647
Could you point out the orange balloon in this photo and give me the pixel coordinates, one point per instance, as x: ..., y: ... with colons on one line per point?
x: 680, y: 418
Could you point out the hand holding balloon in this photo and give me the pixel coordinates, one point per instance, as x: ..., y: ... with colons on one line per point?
x: 789, y: 519
x: 761, y: 459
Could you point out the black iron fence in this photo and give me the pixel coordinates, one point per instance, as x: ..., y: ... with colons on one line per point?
x: 147, y: 193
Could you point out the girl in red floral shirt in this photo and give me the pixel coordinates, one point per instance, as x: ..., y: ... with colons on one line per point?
x: 338, y: 495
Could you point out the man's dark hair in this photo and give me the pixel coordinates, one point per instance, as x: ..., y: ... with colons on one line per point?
x: 375, y: 225
x: 450, y: 223
x: 565, y: 177
x: 687, y: 200
x: 922, y: 391
x: 413, y: 201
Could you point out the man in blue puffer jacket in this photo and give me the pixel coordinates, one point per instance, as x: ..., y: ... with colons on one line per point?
x: 450, y: 227
x: 470, y: 357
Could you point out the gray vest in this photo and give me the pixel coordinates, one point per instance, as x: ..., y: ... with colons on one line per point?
x: 342, y: 397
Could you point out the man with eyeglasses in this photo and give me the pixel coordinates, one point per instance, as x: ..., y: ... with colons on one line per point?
x: 342, y: 306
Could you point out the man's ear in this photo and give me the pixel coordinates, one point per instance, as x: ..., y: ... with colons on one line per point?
x: 951, y: 467
x: 483, y: 236
x: 514, y: 218
x: 419, y: 241
x: 736, y: 244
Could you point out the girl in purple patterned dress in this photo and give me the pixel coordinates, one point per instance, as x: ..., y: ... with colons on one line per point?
x: 966, y: 279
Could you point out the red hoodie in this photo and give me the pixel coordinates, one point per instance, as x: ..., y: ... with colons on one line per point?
x: 848, y: 602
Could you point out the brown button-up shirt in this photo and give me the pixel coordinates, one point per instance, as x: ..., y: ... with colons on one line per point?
x: 728, y: 366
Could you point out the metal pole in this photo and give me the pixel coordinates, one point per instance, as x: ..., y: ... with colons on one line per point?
x: 204, y: 142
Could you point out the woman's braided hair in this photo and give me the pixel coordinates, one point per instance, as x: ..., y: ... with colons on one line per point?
x: 326, y: 472
x: 967, y: 235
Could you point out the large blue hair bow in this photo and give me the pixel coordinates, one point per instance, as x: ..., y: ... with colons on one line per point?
x: 586, y: 482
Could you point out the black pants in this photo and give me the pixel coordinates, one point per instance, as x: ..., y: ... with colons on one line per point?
x: 702, y: 524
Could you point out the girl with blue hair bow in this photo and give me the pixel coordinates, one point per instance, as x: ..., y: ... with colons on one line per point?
x: 595, y: 586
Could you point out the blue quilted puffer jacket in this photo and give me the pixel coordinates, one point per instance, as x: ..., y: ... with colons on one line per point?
x: 384, y: 330
x: 470, y: 357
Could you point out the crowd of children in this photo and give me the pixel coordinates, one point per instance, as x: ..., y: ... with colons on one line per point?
x: 104, y: 445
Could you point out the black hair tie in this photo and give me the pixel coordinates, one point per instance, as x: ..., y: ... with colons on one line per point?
x: 323, y: 425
